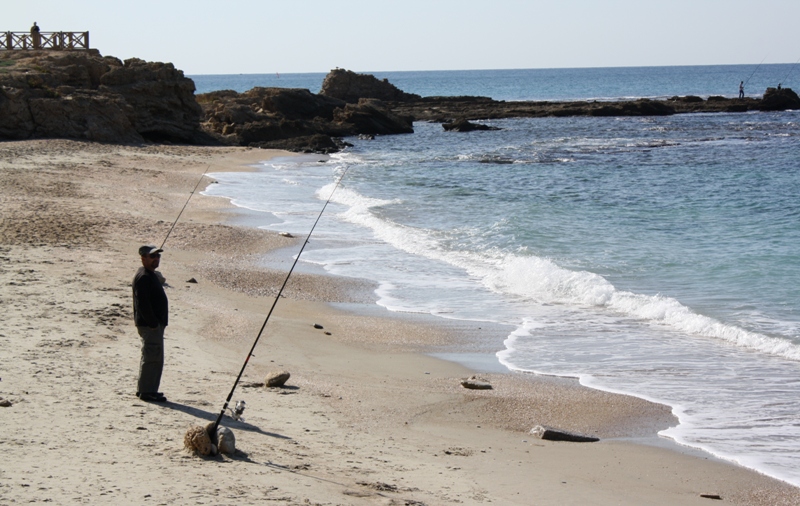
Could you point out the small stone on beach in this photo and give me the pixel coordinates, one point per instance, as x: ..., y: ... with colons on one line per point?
x: 225, y: 440
x: 276, y: 379
x: 474, y: 383
x: 551, y: 434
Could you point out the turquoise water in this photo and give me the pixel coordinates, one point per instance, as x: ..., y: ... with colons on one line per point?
x: 651, y: 256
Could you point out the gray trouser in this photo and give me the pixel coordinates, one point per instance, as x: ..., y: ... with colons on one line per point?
x: 152, y: 362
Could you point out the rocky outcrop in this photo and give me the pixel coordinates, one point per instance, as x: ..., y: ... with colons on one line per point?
x: 351, y: 87
x: 162, y: 99
x: 643, y: 107
x: 449, y: 109
x: 780, y: 99
x: 83, y: 95
x: 371, y: 117
x: 294, y: 119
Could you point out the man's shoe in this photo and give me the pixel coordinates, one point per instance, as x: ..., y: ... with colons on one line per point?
x: 154, y: 397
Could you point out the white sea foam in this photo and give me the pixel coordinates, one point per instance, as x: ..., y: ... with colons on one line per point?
x: 701, y: 384
x: 544, y: 282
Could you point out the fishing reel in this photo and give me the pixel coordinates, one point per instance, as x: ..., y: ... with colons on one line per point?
x: 237, y: 410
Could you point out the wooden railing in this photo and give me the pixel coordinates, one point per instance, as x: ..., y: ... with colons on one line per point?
x: 44, y: 40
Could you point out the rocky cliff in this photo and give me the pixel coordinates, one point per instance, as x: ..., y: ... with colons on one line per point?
x: 83, y: 95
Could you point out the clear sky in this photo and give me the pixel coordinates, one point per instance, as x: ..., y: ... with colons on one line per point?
x: 288, y: 36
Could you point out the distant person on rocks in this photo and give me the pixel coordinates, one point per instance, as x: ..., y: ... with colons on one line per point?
x: 741, y: 89
x: 37, y: 40
x: 150, y: 311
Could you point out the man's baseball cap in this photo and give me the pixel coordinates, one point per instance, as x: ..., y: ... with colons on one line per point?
x: 148, y: 250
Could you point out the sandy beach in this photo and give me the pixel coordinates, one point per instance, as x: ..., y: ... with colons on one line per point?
x: 367, y: 417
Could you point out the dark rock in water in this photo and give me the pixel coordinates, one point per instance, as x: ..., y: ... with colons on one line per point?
x: 371, y: 117
x: 351, y: 87
x: 687, y: 99
x: 496, y: 161
x: 551, y: 434
x: 692, y: 103
x: 641, y: 107
x: 780, y: 100
x: 462, y: 125
x: 317, y: 143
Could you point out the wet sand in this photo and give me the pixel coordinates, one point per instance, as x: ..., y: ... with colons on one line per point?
x: 367, y: 417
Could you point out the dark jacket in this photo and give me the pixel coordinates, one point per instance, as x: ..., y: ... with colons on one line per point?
x: 150, y: 307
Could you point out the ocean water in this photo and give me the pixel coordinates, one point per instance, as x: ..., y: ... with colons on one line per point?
x: 549, y: 84
x: 656, y: 257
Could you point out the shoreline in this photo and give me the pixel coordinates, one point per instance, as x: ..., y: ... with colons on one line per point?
x: 466, y: 352
x: 487, y: 363
x: 365, y: 419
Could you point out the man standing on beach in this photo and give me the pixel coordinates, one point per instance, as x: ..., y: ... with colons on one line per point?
x: 150, y: 310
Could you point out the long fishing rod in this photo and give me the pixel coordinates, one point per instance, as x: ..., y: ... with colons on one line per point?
x: 790, y: 72
x: 184, y: 207
x: 754, y: 72
x: 213, y: 431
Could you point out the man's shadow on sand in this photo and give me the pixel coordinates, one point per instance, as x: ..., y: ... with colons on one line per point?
x: 209, y: 416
